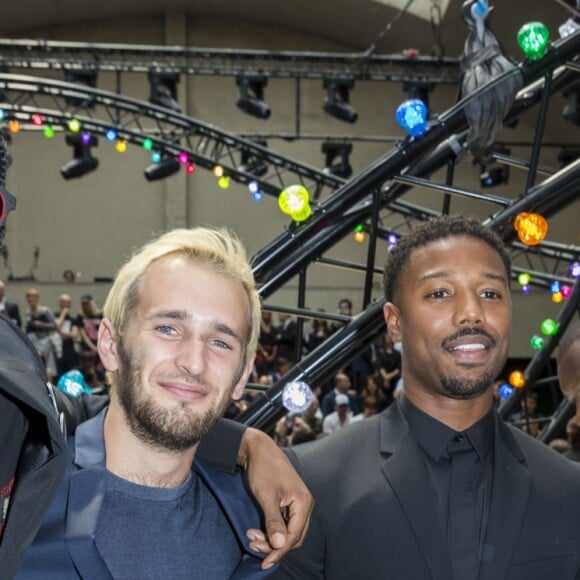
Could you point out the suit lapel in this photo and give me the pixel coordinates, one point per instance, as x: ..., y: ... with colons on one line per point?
x: 406, y: 474
x: 85, y: 497
x: 510, y: 492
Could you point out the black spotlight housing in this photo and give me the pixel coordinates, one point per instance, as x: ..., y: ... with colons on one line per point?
x: 336, y: 102
x: 571, y: 110
x: 251, y: 96
x: 494, y: 176
x: 83, y: 162
x: 167, y: 167
x: 163, y: 90
x: 336, y: 162
x: 252, y: 163
x: 86, y: 77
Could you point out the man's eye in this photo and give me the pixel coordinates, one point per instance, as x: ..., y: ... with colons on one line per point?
x: 491, y: 294
x: 438, y: 294
x: 221, y: 343
x: 165, y: 329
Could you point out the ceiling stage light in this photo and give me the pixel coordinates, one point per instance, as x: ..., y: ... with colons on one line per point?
x: 85, y: 77
x: 83, y: 162
x: 163, y: 90
x: 251, y: 96
x: 336, y: 161
x: 166, y: 167
x: 337, y: 100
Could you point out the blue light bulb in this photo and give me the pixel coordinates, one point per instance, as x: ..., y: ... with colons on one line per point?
x: 156, y: 156
x: 505, y: 391
x: 111, y: 135
x: 412, y: 116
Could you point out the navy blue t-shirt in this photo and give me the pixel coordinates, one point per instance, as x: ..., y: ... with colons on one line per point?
x: 161, y: 533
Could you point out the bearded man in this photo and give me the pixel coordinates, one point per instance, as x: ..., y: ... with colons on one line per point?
x: 178, y: 339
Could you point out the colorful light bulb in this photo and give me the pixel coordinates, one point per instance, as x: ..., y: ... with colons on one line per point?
x: 293, y: 199
x: 37, y: 119
x: 557, y: 297
x: 218, y: 170
x: 505, y: 391
x: 574, y: 270
x: 532, y: 228
x: 566, y: 290
x: 147, y: 144
x: 555, y: 287
x: 412, y: 116
x: 74, y: 125
x: 359, y: 237
x: 49, y: 131
x: 517, y: 379
x: 156, y: 156
x: 190, y: 168
x: 85, y: 137
x: 536, y: 342
x: 533, y: 39
x: 524, y: 279
x: 183, y: 158
x: 14, y: 126
x: 111, y: 135
x: 253, y: 186
x: 302, y: 214
x: 526, y: 289
x: 549, y: 327
x: 224, y: 181
x: 257, y: 195
x: 121, y: 146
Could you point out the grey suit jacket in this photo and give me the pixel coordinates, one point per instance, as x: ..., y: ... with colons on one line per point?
x: 375, y: 514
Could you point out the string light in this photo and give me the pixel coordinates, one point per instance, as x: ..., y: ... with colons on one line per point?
x: 566, y: 291
x: 557, y: 297
x: 37, y: 119
x: 517, y: 379
x: 183, y: 158
x: 224, y: 181
x: 574, y: 270
x: 190, y: 168
x: 536, y: 342
x: 49, y: 131
x: 121, y: 146
x: 505, y: 391
x: 549, y: 327
x: 532, y: 228
x: 533, y: 39
x: 412, y: 116
x: 147, y: 144
x: 524, y: 279
x: 74, y: 125
x: 14, y: 126
x: 111, y: 135
x: 526, y: 289
x: 218, y: 170
x: 359, y: 237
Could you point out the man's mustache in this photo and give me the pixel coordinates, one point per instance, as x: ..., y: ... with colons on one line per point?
x: 468, y: 332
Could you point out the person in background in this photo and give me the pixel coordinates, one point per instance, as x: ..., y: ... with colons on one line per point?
x: 9, y: 309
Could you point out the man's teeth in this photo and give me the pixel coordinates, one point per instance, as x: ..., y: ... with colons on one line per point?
x: 474, y: 346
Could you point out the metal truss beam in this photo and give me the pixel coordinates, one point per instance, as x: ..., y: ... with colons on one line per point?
x: 55, y: 55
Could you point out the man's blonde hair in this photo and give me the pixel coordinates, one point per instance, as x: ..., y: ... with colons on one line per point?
x: 215, y: 247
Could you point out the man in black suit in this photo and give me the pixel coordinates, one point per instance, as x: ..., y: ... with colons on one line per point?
x: 9, y: 309
x: 438, y: 487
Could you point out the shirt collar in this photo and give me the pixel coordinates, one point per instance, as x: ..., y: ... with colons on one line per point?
x: 435, y: 438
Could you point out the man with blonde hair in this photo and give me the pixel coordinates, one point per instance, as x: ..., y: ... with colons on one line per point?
x: 178, y: 339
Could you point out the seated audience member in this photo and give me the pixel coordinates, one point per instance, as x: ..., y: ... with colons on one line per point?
x: 178, y: 340
x: 369, y: 408
x: 66, y: 326
x: 374, y: 393
x: 340, y: 418
x: 342, y: 385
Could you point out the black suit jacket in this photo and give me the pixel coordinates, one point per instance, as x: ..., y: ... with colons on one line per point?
x: 375, y: 514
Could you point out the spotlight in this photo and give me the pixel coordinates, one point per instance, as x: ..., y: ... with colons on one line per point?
x: 494, y: 173
x: 251, y: 97
x: 166, y: 167
x: 336, y: 162
x: 490, y: 177
x: 83, y: 162
x: 418, y: 90
x: 252, y: 163
x: 336, y: 102
x: 163, y: 90
x: 81, y: 77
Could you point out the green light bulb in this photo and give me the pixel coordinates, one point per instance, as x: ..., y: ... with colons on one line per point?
x: 49, y: 132
x: 533, y: 39
x: 536, y: 342
x: 147, y: 144
x: 549, y: 327
x: 524, y: 279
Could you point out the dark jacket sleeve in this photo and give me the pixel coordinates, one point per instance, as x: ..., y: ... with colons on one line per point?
x: 221, y: 445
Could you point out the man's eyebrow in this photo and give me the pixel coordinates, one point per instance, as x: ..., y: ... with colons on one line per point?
x: 445, y: 274
x: 183, y: 316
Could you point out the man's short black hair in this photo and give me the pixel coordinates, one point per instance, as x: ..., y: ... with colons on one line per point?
x: 570, y: 337
x: 430, y: 231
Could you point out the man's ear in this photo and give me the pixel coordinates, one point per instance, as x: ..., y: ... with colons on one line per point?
x: 107, y: 346
x: 393, y: 319
x: 241, y: 384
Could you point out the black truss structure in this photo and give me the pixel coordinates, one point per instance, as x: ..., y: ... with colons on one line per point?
x: 375, y: 197
x: 55, y: 55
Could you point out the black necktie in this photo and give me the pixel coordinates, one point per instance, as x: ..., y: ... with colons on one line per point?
x: 463, y: 531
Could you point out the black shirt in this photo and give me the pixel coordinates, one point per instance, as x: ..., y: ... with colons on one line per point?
x: 436, y: 441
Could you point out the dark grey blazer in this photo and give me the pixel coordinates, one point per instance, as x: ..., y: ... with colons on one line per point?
x: 375, y: 514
